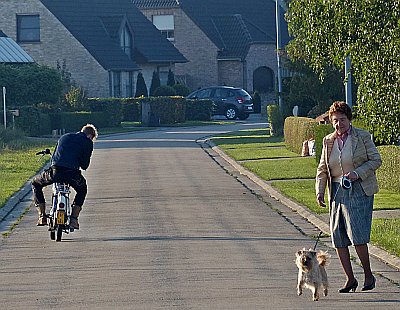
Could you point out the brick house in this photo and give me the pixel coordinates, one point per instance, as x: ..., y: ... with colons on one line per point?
x: 102, y: 43
x: 226, y: 42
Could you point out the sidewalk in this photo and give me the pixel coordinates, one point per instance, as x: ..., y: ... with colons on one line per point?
x: 319, y: 221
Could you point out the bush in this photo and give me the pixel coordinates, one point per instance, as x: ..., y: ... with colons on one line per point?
x: 141, y: 88
x: 169, y: 110
x: 164, y: 90
x: 131, y: 110
x: 275, y: 120
x: 389, y: 173
x: 33, y: 122
x: 31, y: 84
x: 320, y: 132
x: 74, y: 121
x: 112, y: 107
x: 297, y: 130
x: 198, y: 109
x: 181, y: 90
x: 155, y: 83
x: 256, y: 102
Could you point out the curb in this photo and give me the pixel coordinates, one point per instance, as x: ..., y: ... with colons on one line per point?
x: 322, y: 225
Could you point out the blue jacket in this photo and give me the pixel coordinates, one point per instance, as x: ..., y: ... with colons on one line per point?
x: 73, y: 151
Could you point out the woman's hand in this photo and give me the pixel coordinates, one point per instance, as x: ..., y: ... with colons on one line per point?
x: 352, y: 176
x: 321, y: 201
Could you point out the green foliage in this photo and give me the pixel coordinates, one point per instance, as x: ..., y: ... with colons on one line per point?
x: 325, y: 32
x: 141, y: 88
x: 170, y: 110
x: 308, y: 92
x: 164, y: 90
x: 31, y: 84
x: 75, y: 98
x: 198, y: 109
x: 389, y: 173
x: 74, y: 121
x: 131, y: 110
x: 181, y: 90
x: 155, y: 83
x: 320, y: 132
x: 171, y: 78
x: 275, y: 120
x: 297, y: 130
x: 112, y: 107
x: 32, y: 121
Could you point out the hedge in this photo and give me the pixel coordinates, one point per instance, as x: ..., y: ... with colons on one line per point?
x: 389, y: 173
x: 320, y: 132
x: 275, y: 120
x: 169, y: 110
x: 198, y: 109
x: 297, y: 130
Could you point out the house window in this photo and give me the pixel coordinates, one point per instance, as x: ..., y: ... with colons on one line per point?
x: 28, y: 28
x: 116, y: 84
x: 126, y: 41
x: 165, y: 23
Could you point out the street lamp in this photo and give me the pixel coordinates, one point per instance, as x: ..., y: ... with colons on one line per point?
x: 278, y: 51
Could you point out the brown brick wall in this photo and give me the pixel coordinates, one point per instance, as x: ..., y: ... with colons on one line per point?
x: 57, y: 44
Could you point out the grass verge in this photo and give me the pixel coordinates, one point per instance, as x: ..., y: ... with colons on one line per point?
x: 386, y: 234
x: 17, y: 167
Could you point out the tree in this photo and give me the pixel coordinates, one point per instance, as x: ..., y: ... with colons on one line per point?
x: 171, y: 78
x: 325, y: 32
x: 141, y: 88
x: 155, y: 83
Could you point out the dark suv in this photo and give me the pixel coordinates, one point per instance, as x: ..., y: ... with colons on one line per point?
x: 229, y: 101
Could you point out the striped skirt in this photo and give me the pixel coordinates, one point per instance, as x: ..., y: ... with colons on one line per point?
x: 350, y: 215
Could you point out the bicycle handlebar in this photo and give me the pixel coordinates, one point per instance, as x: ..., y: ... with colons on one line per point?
x: 44, y: 152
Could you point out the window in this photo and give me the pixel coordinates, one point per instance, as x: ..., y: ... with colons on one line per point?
x: 165, y: 23
x: 126, y: 41
x: 116, y: 84
x: 28, y: 28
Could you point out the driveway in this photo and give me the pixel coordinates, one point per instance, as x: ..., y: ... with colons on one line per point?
x: 165, y: 226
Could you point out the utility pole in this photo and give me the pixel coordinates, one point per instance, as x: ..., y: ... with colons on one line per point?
x: 347, y: 73
x: 278, y: 51
x: 4, y: 107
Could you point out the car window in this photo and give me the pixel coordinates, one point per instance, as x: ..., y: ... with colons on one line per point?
x: 243, y: 93
x: 203, y: 93
x: 222, y: 93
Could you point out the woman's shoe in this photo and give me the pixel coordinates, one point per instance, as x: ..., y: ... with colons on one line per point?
x: 349, y: 288
x: 370, y: 286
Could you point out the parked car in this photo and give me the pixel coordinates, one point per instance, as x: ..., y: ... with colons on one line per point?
x: 229, y: 101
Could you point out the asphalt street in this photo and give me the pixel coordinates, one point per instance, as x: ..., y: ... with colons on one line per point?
x: 167, y: 225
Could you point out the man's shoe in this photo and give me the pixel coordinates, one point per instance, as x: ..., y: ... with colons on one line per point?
x: 42, y: 220
x: 74, y: 217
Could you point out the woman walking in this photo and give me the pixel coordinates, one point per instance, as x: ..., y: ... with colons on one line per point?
x: 349, y: 152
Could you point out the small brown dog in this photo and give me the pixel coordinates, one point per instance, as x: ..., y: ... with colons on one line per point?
x: 312, y: 273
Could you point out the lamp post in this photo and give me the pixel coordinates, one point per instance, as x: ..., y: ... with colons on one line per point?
x: 4, y: 107
x: 278, y: 50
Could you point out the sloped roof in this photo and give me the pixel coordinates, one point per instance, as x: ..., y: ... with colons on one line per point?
x: 156, y: 4
x: 11, y: 52
x: 95, y: 24
x: 231, y: 25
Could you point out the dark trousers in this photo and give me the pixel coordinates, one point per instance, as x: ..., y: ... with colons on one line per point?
x: 60, y: 175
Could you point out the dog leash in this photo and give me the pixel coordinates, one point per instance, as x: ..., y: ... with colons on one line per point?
x: 319, y: 236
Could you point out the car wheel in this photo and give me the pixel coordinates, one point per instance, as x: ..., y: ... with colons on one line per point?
x: 231, y: 113
x: 243, y: 116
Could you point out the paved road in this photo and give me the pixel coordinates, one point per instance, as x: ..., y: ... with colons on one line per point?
x: 166, y: 227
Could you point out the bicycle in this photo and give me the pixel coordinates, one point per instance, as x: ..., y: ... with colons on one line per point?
x: 61, y: 210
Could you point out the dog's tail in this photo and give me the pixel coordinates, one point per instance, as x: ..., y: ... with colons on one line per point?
x: 322, y: 258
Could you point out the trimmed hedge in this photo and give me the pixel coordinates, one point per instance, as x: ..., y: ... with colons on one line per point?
x: 170, y: 110
x: 297, y: 130
x: 389, y: 173
x: 275, y: 120
x: 74, y: 121
x: 320, y: 132
x: 198, y: 109
x: 32, y: 121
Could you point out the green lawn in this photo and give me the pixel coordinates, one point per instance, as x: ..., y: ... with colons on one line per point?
x: 281, y: 169
x: 16, y: 168
x: 257, y: 144
x: 386, y: 234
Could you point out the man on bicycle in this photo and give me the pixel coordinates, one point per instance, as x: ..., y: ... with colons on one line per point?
x: 72, y: 153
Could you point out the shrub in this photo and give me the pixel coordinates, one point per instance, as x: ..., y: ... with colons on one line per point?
x: 74, y: 121
x: 181, y: 90
x: 389, y: 173
x: 256, y: 102
x: 169, y: 110
x: 141, y: 88
x: 155, y: 83
x: 112, y: 107
x: 198, y: 109
x: 275, y: 120
x: 164, y: 90
x: 297, y: 130
x: 75, y: 98
x: 31, y: 84
x: 320, y: 132
x: 131, y: 109
x: 171, y: 78
x: 33, y: 122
